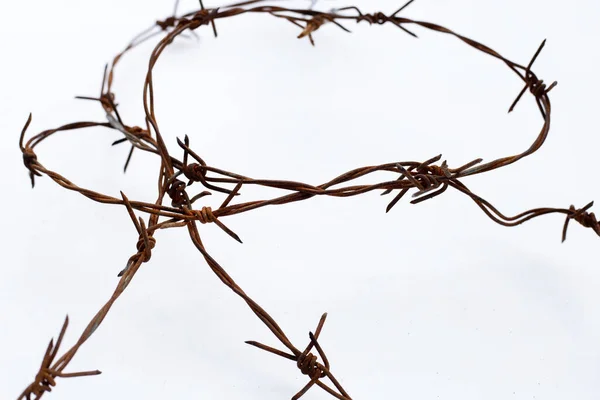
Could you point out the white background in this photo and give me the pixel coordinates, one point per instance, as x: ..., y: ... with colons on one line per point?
x: 429, y: 301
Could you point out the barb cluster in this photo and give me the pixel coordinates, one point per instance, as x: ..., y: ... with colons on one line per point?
x: 46, y: 377
x: 429, y: 178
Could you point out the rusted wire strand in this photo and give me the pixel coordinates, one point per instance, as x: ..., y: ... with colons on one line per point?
x: 46, y: 377
x: 428, y: 178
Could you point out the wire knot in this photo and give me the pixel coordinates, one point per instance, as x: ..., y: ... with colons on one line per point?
x: 426, y: 177
x: 177, y: 193
x: 204, y: 17
x: 144, y: 245
x: 203, y: 13
x: 380, y: 18
x: 431, y: 180
x: 587, y: 220
x: 29, y: 158
x: 536, y: 86
x: 107, y: 100
x: 44, y: 381
x: 312, y: 25
x: 205, y: 215
x: 145, y: 242
x: 377, y: 18
x: 143, y: 249
x: 194, y: 172
x: 136, y: 131
x: 309, y: 365
x: 167, y: 23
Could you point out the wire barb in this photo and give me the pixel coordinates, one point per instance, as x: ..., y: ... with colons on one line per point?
x: 309, y: 364
x: 535, y: 85
x: 581, y: 215
x: 29, y: 157
x: 45, y: 379
x: 145, y: 242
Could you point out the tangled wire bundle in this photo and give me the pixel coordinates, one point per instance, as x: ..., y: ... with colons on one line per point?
x: 430, y: 178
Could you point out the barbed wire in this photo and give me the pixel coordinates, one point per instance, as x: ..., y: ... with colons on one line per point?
x: 427, y: 179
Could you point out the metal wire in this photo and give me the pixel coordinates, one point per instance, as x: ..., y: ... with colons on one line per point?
x: 430, y: 178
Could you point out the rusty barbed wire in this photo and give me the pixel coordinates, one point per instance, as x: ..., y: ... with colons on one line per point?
x: 46, y: 377
x: 429, y: 178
